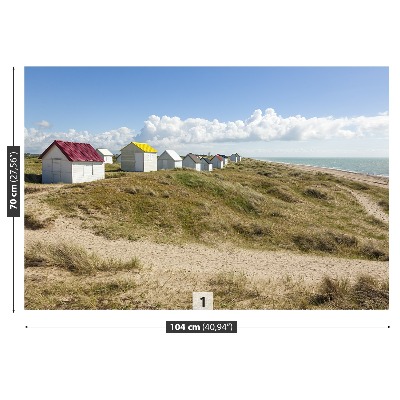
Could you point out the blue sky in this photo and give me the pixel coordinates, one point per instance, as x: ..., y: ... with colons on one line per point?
x: 259, y: 111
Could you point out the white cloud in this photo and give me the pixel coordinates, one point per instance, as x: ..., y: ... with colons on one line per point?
x: 36, y: 141
x: 173, y: 132
x: 267, y: 126
x: 43, y: 124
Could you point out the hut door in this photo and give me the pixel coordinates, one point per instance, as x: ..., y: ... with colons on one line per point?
x: 164, y: 164
x: 56, y: 168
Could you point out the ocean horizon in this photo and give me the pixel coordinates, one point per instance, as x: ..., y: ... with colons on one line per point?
x: 365, y: 165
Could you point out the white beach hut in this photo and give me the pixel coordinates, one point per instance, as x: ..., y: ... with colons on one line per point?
x: 218, y: 162
x: 225, y: 158
x: 236, y: 157
x: 206, y: 164
x: 192, y: 161
x: 70, y: 162
x: 106, y: 155
x: 170, y: 159
x: 138, y: 157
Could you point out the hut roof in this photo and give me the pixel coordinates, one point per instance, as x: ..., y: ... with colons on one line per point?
x: 194, y: 158
x: 173, y: 154
x: 207, y: 160
x: 218, y: 157
x: 144, y: 146
x: 75, y: 151
x: 105, y: 152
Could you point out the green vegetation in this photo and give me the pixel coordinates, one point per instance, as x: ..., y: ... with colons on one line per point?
x: 33, y: 170
x: 34, y: 223
x: 236, y: 291
x: 83, y: 281
x: 252, y: 204
x: 74, y: 259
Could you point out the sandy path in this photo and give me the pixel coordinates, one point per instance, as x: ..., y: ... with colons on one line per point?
x: 198, y: 259
x: 371, y: 207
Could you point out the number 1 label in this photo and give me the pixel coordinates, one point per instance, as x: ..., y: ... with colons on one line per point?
x: 203, y: 300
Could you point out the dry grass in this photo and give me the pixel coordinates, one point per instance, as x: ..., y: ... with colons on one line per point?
x: 32, y: 222
x: 251, y: 204
x: 236, y: 291
x: 68, y: 277
x: 74, y: 259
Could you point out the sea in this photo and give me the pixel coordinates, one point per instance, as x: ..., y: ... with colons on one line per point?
x: 370, y: 166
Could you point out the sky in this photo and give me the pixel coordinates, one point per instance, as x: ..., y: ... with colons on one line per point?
x: 256, y: 111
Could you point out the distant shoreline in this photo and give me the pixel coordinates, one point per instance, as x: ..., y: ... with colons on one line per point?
x: 377, y: 180
x: 376, y: 166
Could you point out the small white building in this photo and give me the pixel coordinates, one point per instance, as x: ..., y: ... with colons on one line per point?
x: 225, y: 158
x: 206, y: 164
x: 170, y: 159
x: 236, y: 157
x: 218, y: 162
x: 138, y: 157
x: 70, y: 162
x: 106, y: 155
x: 192, y: 161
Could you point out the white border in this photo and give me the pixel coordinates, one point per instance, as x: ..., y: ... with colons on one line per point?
x: 291, y: 359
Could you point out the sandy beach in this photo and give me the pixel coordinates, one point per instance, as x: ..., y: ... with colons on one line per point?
x: 380, y: 181
x: 196, y: 259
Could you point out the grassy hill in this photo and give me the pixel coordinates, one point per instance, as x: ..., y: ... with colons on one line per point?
x: 251, y: 204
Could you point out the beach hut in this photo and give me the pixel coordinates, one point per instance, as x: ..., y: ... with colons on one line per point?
x: 236, y: 157
x: 70, y: 162
x: 225, y: 158
x: 170, y: 159
x: 138, y: 157
x: 206, y: 164
x: 192, y: 161
x: 218, y: 162
x: 106, y: 155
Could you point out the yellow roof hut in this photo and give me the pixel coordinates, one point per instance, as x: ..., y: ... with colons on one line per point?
x: 138, y: 157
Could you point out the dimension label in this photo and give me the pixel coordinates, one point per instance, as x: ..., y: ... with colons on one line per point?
x: 201, y: 326
x: 13, y: 181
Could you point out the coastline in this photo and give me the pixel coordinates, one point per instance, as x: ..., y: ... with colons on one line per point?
x: 376, y: 180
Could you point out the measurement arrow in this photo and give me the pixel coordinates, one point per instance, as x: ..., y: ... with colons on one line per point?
x: 13, y: 201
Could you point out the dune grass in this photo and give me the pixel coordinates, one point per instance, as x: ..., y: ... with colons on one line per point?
x: 33, y: 222
x: 68, y: 277
x: 251, y: 204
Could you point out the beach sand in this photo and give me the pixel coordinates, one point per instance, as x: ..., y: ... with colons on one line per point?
x: 200, y: 260
x: 375, y: 180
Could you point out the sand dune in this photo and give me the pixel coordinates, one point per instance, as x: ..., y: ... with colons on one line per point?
x: 197, y: 259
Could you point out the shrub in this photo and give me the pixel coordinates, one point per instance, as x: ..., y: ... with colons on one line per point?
x: 33, y: 223
x: 384, y: 204
x: 365, y: 294
x: 315, y: 193
x: 131, y: 190
x: 370, y: 294
x: 329, y: 290
x: 32, y: 189
x: 281, y: 195
x: 74, y: 259
x: 374, y: 253
x: 252, y: 230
